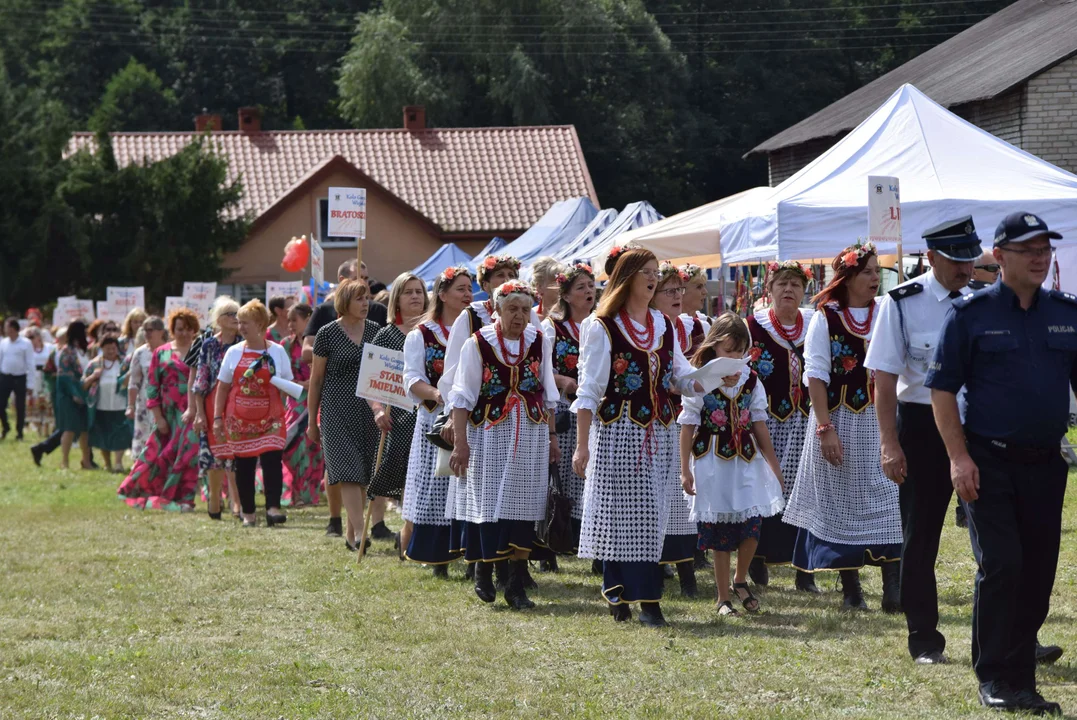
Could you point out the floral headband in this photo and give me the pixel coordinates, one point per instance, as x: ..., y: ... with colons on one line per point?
x: 513, y: 287
x: 574, y: 272
x: 666, y: 270
x: 852, y: 258
x: 449, y: 274
x: 493, y: 262
x: 690, y: 271
x: 793, y: 265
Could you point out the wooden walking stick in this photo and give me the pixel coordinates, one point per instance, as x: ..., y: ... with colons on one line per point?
x: 369, y: 503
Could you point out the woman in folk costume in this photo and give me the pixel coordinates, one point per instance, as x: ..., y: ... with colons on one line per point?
x: 304, y: 466
x: 626, y: 436
x: 777, y: 354
x: 845, y: 507
x: 680, y: 546
x: 694, y: 303
x: 427, y: 534
x: 575, y: 302
x: 502, y: 402
x: 544, y: 273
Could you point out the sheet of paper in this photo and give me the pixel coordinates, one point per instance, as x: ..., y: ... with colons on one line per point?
x: 710, y: 375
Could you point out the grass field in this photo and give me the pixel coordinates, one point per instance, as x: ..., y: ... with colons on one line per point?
x: 108, y: 612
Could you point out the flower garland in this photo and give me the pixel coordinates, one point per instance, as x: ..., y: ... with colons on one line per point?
x: 805, y: 272
x: 667, y: 270
x: 513, y: 287
x: 450, y: 273
x: 566, y: 279
x: 493, y: 262
x: 852, y: 257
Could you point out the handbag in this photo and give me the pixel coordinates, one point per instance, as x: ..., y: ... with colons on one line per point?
x: 555, y: 532
x: 434, y: 436
x: 562, y: 421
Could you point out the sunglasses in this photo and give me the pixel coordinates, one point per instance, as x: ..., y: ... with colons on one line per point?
x: 993, y: 268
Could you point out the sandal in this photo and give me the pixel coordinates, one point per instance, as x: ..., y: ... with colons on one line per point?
x: 726, y: 609
x: 750, y: 602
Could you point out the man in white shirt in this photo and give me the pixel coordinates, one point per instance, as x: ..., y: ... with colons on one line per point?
x: 16, y: 364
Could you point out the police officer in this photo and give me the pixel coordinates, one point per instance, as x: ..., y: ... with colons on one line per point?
x: 912, y: 451
x: 1013, y: 346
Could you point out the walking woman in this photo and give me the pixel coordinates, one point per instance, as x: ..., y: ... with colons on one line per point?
x: 137, y: 370
x: 427, y: 534
x: 129, y: 332
x: 110, y: 430
x: 501, y: 402
x: 407, y: 304
x: 575, y: 302
x: 845, y: 507
x: 304, y: 467
x: 627, y: 440
x: 351, y: 437
x: 248, y: 416
x: 72, y: 411
x: 777, y: 355
x: 217, y: 471
x: 165, y: 476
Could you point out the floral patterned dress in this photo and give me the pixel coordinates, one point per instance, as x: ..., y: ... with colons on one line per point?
x: 304, y: 466
x: 166, y: 474
x: 205, y: 384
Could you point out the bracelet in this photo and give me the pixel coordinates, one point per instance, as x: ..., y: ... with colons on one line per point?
x: 824, y: 428
x: 218, y: 417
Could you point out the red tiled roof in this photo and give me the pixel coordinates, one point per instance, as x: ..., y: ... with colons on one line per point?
x: 462, y: 179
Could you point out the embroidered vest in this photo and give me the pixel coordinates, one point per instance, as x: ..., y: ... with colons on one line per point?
x: 566, y: 352
x: 772, y: 361
x: 474, y: 319
x: 434, y: 352
x: 639, y: 381
x: 851, y: 384
x: 726, y: 424
x: 693, y: 338
x: 503, y: 386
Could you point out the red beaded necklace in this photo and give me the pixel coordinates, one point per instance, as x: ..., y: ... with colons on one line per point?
x: 861, y: 329
x: 444, y: 330
x: 643, y: 342
x: 489, y: 305
x: 789, y: 337
x: 509, y: 360
x: 682, y: 334
x: 573, y: 329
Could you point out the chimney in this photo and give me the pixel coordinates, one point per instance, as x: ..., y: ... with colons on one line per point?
x: 414, y: 117
x: 207, y: 122
x: 250, y: 120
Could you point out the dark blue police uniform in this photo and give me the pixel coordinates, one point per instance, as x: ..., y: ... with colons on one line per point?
x: 1017, y: 366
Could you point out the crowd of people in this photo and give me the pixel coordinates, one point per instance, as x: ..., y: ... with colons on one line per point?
x: 606, y: 395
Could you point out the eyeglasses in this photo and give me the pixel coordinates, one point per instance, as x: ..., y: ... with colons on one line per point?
x: 1034, y: 252
x: 989, y: 268
x: 673, y: 292
x: 228, y: 314
x: 650, y: 274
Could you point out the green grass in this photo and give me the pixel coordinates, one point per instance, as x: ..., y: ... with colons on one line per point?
x: 111, y: 612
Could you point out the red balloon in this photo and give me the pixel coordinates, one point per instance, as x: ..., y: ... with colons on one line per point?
x: 296, y: 254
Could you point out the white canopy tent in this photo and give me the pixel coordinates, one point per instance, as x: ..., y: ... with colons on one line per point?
x: 596, y: 227
x: 947, y: 168
x: 634, y: 215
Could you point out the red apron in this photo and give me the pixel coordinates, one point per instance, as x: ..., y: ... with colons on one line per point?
x: 254, y: 415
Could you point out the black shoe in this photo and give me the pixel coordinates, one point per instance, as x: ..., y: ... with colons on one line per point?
x: 891, y: 587
x: 650, y: 614
x: 335, y: 528
x: 275, y: 518
x: 759, y: 572
x: 38, y: 453
x: 999, y: 696
x: 1047, y: 654
x: 960, y: 518
x: 351, y: 547
x: 469, y: 571
x: 484, y: 583
x: 686, y: 572
x: 621, y: 613
x: 548, y: 566
x: 441, y: 571
x: 1033, y: 702
x: 214, y: 515
x: 701, y: 561
x: 380, y: 532
x: 515, y: 593
x: 596, y: 567
x: 805, y: 582
x: 934, y: 657
x: 501, y: 575
x: 853, y: 595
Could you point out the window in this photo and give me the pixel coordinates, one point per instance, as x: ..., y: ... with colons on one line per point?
x: 323, y: 225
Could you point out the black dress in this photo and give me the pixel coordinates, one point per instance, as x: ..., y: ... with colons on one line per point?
x: 389, y: 480
x: 349, y: 436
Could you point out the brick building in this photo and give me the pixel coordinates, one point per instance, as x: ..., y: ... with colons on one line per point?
x: 1013, y: 75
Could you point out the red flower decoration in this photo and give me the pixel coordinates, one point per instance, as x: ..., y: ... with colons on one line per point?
x: 534, y: 368
x: 571, y: 360
x: 755, y: 353
x: 489, y: 262
x: 848, y: 363
x: 486, y: 374
x: 851, y: 258
x: 439, y: 366
x: 620, y: 365
x: 450, y: 273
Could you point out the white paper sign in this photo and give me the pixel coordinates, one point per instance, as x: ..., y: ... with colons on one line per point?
x: 381, y: 377
x: 122, y: 300
x: 710, y: 375
x: 317, y: 261
x: 104, y: 312
x: 203, y: 293
x: 287, y: 288
x: 70, y: 309
x: 347, y: 212
x: 884, y: 209
x: 173, y: 303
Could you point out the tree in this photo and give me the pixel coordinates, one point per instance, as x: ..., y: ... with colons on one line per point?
x: 135, y: 100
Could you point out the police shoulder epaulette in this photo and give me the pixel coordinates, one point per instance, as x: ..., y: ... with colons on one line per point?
x: 977, y: 284
x: 906, y: 291
x: 1064, y: 296
x: 968, y: 298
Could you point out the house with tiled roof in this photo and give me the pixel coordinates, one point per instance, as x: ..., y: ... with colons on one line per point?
x: 1014, y: 74
x: 425, y: 186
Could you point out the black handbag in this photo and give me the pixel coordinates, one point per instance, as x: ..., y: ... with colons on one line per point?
x: 555, y: 532
x: 434, y: 436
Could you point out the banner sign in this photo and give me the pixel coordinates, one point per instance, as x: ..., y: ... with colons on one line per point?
x: 69, y: 309
x: 287, y: 288
x: 122, y: 300
x: 884, y: 209
x: 381, y: 377
x: 173, y: 303
x: 105, y: 313
x: 347, y: 212
x: 317, y: 261
x: 203, y: 293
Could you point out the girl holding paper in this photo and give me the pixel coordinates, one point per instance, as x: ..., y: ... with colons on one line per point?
x: 728, y: 464
x: 427, y: 533
x: 248, y: 416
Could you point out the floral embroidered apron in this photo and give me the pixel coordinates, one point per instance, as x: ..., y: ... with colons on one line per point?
x: 254, y: 415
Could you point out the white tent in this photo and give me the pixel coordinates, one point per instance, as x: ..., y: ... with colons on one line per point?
x: 574, y: 250
x: 947, y: 168
x: 634, y: 215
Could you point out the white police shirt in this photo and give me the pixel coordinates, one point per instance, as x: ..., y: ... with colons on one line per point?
x: 904, y: 339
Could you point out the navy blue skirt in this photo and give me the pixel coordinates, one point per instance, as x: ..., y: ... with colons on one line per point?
x: 629, y: 582
x: 490, y: 542
x: 812, y: 554
x: 776, y: 541
x: 430, y: 544
x: 678, y: 548
x: 458, y: 536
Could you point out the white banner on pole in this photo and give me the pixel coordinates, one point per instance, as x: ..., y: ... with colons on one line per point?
x: 122, y: 300
x: 317, y: 261
x: 104, y: 312
x: 287, y: 288
x: 203, y: 293
x: 173, y: 303
x: 884, y: 209
x: 347, y: 212
x: 381, y: 377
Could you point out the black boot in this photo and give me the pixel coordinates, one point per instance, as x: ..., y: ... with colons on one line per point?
x: 484, y: 584
x: 549, y: 565
x: 892, y: 587
x: 853, y: 596
x: 381, y: 532
x: 441, y: 571
x: 701, y: 561
x: 501, y: 575
x: 525, y: 573
x: 335, y: 528
x: 621, y: 613
x: 650, y: 614
x: 686, y: 571
x: 469, y: 572
x: 596, y: 567
x: 759, y: 572
x: 806, y: 583
x: 515, y: 594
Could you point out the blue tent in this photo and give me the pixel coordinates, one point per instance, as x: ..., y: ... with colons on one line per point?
x: 635, y: 215
x: 554, y: 230
x: 492, y: 247
x: 448, y: 255
x: 574, y: 250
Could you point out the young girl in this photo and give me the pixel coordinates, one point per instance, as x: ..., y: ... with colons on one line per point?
x: 726, y: 445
